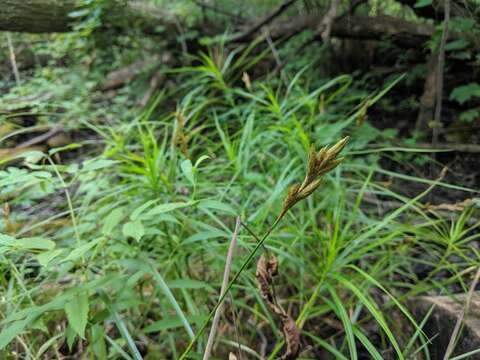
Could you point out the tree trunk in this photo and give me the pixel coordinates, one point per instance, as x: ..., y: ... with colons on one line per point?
x: 427, y: 100
x: 36, y: 15
x: 46, y: 16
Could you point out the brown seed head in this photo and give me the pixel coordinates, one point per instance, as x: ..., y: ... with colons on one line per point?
x: 319, y: 163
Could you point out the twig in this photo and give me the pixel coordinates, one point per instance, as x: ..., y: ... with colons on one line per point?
x: 41, y: 138
x: 154, y: 81
x: 264, y: 21
x: 226, y: 275
x: 440, y: 71
x: 468, y: 148
x: 13, y: 61
x: 327, y: 21
x: 276, y: 56
x: 456, y: 329
x: 181, y: 32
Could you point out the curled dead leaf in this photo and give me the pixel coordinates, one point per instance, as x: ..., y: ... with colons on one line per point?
x: 266, y: 270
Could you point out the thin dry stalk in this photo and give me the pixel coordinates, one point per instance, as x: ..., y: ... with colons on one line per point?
x: 456, y: 329
x: 13, y: 61
x: 226, y: 276
x: 276, y: 56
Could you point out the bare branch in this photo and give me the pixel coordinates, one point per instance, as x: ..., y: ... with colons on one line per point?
x: 327, y: 21
x: 440, y: 70
x: 456, y: 329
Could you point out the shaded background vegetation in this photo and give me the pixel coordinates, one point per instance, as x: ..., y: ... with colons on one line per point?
x: 134, y: 132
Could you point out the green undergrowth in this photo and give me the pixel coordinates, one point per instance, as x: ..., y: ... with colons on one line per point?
x: 120, y: 255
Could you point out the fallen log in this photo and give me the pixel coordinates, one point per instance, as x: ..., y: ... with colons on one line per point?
x: 402, y: 32
x: 47, y: 16
x: 39, y: 16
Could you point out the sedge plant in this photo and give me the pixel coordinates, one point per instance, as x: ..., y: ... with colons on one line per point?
x: 319, y: 163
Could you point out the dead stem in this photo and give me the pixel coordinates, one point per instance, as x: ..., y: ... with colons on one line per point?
x: 226, y: 275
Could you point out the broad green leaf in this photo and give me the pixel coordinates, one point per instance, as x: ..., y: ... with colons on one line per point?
x: 112, y: 220
x: 97, y: 164
x: 187, y: 169
x: 187, y: 284
x: 462, y: 55
x: 464, y: 93
x: 134, y: 229
x: 45, y: 257
x: 138, y: 211
x: 97, y: 342
x: 34, y: 243
x: 456, y: 45
x: 217, y: 205
x: 163, y: 208
x: 204, y: 235
x: 11, y: 331
x: 171, y: 322
x: 71, y: 335
x: 33, y: 157
x: 470, y: 115
x: 7, y: 240
x: 77, y: 313
x: 78, y: 252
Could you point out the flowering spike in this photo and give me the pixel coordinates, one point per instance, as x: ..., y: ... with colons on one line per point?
x: 319, y: 163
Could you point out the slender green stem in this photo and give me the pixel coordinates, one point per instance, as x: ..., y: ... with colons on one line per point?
x: 69, y: 201
x: 232, y: 282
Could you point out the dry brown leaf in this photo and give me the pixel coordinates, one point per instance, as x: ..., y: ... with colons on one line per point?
x: 292, y: 339
x: 459, y: 206
x: 266, y: 270
x: 246, y: 81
